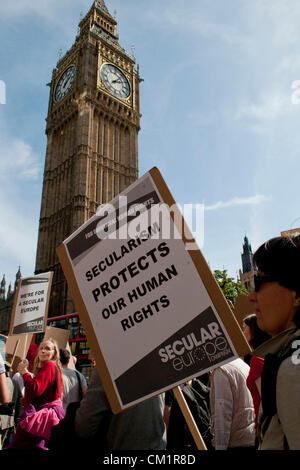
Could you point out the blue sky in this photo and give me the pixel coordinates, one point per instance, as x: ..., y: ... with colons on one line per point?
x: 219, y: 117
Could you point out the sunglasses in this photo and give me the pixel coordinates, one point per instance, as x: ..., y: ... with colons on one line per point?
x: 260, y: 280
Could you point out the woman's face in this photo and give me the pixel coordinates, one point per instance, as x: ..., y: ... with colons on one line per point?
x: 274, y: 307
x: 46, y: 351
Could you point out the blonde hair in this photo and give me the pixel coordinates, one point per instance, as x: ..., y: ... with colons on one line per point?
x: 37, y: 365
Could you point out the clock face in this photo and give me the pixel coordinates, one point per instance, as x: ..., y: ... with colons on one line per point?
x: 115, y: 81
x: 65, y: 83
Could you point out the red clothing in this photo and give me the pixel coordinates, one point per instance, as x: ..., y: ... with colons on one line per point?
x: 42, y: 388
x: 32, y: 352
x: 256, y: 367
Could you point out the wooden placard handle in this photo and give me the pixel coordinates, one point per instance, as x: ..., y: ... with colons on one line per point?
x: 189, y: 419
x: 25, y: 347
x: 15, y: 352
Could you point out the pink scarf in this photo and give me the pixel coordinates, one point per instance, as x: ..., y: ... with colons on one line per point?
x: 39, y: 423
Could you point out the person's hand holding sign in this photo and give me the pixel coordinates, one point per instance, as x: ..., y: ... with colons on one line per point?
x: 22, y: 367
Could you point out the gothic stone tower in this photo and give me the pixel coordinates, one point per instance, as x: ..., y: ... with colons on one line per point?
x: 92, y: 139
x: 247, y: 275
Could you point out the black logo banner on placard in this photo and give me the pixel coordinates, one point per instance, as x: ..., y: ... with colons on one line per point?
x: 31, y: 281
x: 33, y: 326
x: 192, y: 350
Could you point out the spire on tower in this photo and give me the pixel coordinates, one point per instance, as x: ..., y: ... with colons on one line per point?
x: 100, y: 4
x: 99, y: 21
x: 59, y: 55
x: 3, y: 288
x: 18, y: 276
x: 247, y: 256
x: 133, y: 50
x: 10, y: 291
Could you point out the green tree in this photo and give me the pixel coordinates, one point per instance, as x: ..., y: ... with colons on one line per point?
x: 231, y: 288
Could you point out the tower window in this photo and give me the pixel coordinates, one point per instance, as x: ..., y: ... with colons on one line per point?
x: 104, y: 139
x: 117, y: 184
x: 103, y: 192
x: 97, y: 183
x: 98, y: 137
x: 115, y: 143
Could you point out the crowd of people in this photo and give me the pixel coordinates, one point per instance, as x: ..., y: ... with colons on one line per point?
x: 250, y: 403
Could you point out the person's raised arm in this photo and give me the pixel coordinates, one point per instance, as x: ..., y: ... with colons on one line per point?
x: 4, y: 392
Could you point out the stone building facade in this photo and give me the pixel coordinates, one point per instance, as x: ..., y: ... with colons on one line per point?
x: 247, y: 273
x: 6, y: 302
x: 92, y: 139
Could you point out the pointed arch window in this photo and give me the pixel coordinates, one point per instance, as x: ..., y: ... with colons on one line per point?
x: 102, y: 187
x: 115, y: 144
x: 104, y: 139
x: 99, y: 136
x: 120, y: 145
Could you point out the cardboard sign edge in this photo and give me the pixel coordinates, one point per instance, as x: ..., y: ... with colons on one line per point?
x: 13, y: 313
x: 88, y: 328
x: 224, y: 311
x: 48, y: 300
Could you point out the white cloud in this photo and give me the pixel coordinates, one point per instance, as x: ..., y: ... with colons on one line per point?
x: 238, y: 201
x: 24, y: 7
x: 18, y: 235
x: 17, y: 160
x: 289, y: 64
x: 46, y: 8
x: 270, y: 106
x: 281, y: 17
x: 202, y: 119
x: 193, y: 19
x: 53, y: 13
x: 19, y: 169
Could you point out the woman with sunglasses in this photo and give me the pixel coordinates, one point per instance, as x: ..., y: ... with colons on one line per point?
x: 277, y: 306
x: 42, y: 401
x: 255, y: 337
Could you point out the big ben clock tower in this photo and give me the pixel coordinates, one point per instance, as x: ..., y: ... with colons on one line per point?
x: 92, y: 139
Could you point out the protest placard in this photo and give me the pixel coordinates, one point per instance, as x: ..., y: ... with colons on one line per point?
x: 60, y: 335
x: 152, y: 310
x: 243, y: 307
x: 288, y: 233
x: 29, y: 313
x: 16, y: 348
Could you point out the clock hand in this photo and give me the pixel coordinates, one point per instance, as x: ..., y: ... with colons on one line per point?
x: 66, y: 82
